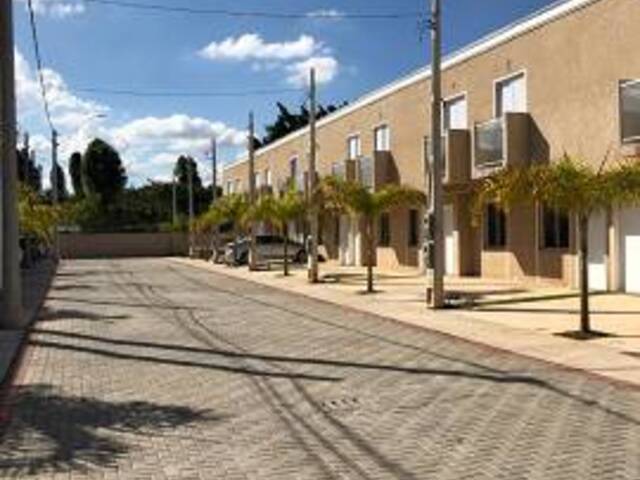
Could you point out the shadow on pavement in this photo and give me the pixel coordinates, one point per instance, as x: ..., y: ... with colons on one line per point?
x: 94, y: 434
x: 48, y: 314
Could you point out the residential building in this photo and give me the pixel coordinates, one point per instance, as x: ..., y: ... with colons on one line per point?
x: 564, y: 80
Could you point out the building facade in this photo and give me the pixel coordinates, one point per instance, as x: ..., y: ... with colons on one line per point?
x: 563, y: 81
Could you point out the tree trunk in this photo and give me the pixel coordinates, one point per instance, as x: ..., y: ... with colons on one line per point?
x: 370, y: 254
x: 286, y: 251
x: 585, y: 322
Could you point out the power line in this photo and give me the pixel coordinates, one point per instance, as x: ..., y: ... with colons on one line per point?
x: 36, y: 49
x: 320, y: 14
x: 154, y: 94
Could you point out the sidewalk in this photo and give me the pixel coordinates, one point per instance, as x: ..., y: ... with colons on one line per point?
x: 35, y: 284
x: 508, y: 317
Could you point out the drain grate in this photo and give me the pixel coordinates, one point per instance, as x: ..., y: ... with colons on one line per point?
x: 344, y: 404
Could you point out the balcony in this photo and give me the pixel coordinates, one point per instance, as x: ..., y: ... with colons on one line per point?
x: 376, y: 171
x: 501, y: 142
x: 344, y: 170
x: 456, y: 157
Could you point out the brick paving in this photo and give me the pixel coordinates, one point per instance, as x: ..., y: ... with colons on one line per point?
x: 151, y: 369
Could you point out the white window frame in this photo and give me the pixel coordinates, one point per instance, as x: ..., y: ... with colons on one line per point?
x: 267, y: 177
x: 621, y: 84
x: 257, y: 180
x: 355, y: 136
x: 451, y: 99
x: 498, y: 81
x: 378, y: 128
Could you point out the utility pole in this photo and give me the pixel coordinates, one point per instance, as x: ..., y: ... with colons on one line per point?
x: 174, y: 201
x: 10, y: 280
x: 252, y: 192
x: 313, y: 212
x: 437, y: 203
x: 190, y: 167
x: 214, y: 169
x: 55, y: 193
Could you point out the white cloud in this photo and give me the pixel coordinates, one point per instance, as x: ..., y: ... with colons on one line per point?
x: 148, y: 146
x: 57, y: 9
x: 252, y: 46
x: 295, y: 57
x: 327, y: 68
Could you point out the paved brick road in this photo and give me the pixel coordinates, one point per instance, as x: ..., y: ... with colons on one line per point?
x: 150, y: 369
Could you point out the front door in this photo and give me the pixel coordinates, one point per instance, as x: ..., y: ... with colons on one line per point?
x: 450, y: 250
x: 630, y: 249
x: 598, y: 252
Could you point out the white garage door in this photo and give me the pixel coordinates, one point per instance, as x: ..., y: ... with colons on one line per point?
x: 630, y: 249
x: 598, y: 252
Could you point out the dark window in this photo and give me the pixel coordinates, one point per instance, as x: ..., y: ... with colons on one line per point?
x: 496, y: 227
x: 555, y: 229
x: 630, y: 110
x: 414, y: 228
x: 384, y: 237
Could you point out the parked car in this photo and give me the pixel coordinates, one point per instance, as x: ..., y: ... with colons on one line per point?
x: 268, y: 247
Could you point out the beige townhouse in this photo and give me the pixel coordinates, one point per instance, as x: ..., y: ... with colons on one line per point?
x: 564, y: 80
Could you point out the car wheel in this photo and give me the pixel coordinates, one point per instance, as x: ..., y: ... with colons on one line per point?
x: 301, y: 257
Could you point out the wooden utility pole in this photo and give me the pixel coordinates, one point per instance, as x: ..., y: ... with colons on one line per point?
x: 10, y: 281
x: 55, y: 190
x: 313, y: 177
x: 214, y: 170
x: 437, y: 199
x: 252, y: 192
x: 190, y: 168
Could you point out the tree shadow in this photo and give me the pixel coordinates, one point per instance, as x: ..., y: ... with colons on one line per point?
x: 73, y: 286
x: 50, y: 431
x: 48, y: 314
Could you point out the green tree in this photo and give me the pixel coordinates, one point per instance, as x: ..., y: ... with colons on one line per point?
x: 570, y: 186
x: 75, y: 173
x: 280, y: 212
x: 103, y: 174
x: 287, y: 122
x: 357, y: 199
x: 181, y: 172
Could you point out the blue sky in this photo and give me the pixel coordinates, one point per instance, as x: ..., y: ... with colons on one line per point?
x: 87, y: 45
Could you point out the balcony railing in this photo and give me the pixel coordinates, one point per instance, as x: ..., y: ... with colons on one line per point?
x: 366, y: 172
x: 489, y: 144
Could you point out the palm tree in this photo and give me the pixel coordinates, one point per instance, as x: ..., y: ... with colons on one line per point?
x: 572, y: 187
x: 279, y: 212
x: 357, y: 199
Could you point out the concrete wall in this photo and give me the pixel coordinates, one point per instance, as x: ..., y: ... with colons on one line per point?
x: 114, y: 245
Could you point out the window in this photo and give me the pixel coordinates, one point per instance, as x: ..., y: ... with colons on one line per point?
x: 630, y: 110
x: 495, y: 227
x: 238, y: 186
x: 414, y: 228
x: 258, y: 180
x: 511, y: 95
x: 384, y: 233
x: 555, y: 233
x: 229, y: 187
x: 454, y: 114
x: 267, y: 177
x: 293, y: 167
x: 354, y: 148
x: 382, y: 139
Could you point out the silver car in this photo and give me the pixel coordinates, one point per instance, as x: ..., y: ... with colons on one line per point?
x: 268, y: 247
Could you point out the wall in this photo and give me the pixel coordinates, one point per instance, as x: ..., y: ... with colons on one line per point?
x: 113, y: 245
x: 573, y: 66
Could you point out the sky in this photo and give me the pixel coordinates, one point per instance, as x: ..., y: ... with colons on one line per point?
x: 87, y: 46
